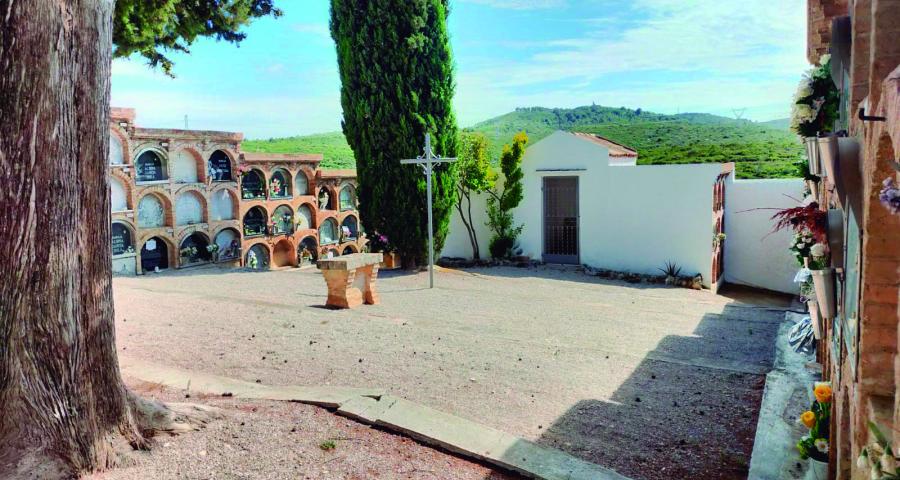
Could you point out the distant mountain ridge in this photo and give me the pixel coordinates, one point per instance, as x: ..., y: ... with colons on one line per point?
x: 760, y: 149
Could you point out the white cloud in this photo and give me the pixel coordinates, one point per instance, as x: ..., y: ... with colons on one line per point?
x: 520, y: 4
x: 732, y: 48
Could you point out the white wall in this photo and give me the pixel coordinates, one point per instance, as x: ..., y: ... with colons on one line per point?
x: 118, y: 196
x: 184, y: 167
x: 753, y: 255
x: 457, y: 243
x: 632, y: 218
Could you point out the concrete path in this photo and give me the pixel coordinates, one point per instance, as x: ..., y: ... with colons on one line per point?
x: 373, y: 407
x: 788, y: 393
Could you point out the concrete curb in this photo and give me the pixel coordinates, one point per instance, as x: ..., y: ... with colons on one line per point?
x: 786, y: 395
x: 375, y: 407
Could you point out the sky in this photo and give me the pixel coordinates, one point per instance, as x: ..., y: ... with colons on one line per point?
x: 664, y: 56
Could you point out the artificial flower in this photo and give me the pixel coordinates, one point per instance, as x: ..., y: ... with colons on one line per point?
x: 888, y: 463
x: 822, y: 445
x: 824, y: 59
x: 823, y: 392
x: 862, y: 461
x: 817, y: 250
x: 808, y: 418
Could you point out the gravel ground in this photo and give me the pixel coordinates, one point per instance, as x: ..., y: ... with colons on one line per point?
x: 283, y: 440
x: 654, y: 382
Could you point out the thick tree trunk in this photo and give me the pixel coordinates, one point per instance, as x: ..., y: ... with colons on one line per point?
x: 63, y: 406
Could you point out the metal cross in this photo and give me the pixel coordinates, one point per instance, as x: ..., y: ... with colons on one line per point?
x: 427, y: 161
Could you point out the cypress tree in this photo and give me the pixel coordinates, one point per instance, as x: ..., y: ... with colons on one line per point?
x: 397, y: 84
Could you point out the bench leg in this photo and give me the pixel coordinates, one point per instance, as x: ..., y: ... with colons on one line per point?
x: 371, y: 294
x: 341, y: 292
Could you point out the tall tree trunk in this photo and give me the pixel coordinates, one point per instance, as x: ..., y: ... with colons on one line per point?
x: 63, y: 406
x: 467, y: 221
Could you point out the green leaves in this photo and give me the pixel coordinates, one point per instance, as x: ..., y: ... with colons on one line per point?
x: 396, y: 75
x: 152, y: 28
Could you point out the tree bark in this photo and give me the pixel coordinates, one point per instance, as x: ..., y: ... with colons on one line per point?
x: 467, y: 222
x: 63, y: 406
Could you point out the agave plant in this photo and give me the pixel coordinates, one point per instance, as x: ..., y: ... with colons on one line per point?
x: 671, y: 269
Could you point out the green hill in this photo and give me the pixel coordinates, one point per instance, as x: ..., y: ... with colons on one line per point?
x: 332, y: 145
x: 761, y: 150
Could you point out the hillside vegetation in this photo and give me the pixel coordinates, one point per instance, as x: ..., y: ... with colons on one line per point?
x: 760, y: 150
x: 333, y: 146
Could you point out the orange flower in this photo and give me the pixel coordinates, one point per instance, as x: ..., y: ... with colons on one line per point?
x: 808, y: 418
x: 823, y: 392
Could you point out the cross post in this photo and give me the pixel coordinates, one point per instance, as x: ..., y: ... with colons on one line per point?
x: 427, y: 161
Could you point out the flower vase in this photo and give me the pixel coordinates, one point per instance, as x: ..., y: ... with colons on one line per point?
x: 390, y: 261
x: 823, y: 281
x: 816, y: 470
x: 812, y: 155
x: 828, y: 157
x: 814, y: 318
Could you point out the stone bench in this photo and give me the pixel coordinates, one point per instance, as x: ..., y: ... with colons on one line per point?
x: 340, y: 274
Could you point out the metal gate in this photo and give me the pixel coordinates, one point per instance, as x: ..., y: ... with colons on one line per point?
x: 561, y: 219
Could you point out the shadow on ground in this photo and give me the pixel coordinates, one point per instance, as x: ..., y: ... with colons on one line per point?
x: 679, y: 420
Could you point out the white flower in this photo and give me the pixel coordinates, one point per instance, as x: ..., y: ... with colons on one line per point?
x: 862, y: 461
x: 888, y: 463
x: 804, y: 90
x: 817, y: 250
x: 823, y: 60
x: 875, y: 473
x: 821, y: 445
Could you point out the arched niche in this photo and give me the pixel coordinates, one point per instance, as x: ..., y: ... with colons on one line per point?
x: 219, y: 166
x: 301, y: 184
x: 186, y: 167
x: 348, y: 197
x: 348, y: 250
x: 229, y: 242
x: 195, y: 248
x: 151, y: 212
x: 253, y: 185
x: 221, y: 206
x: 350, y: 227
x: 280, y: 184
x: 308, y: 251
x: 326, y: 200
x: 255, y: 221
x: 188, y: 208
x: 154, y: 255
x: 283, y: 219
x: 304, y: 217
x: 116, y: 150
x: 122, y: 239
x: 150, y: 166
x: 118, y: 195
x: 328, y: 233
x: 283, y: 254
x: 257, y: 257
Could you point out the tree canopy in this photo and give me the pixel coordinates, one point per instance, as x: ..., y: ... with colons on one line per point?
x: 397, y: 85
x: 152, y: 28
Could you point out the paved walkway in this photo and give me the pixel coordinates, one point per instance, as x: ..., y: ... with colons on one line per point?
x: 612, y: 373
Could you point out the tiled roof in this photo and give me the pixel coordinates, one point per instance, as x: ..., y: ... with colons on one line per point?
x: 615, y: 149
x: 281, y: 157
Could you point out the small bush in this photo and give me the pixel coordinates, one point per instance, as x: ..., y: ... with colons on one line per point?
x: 328, y: 445
x: 502, y: 246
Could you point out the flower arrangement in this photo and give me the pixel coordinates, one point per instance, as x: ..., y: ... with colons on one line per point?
x: 212, y: 248
x: 890, y: 196
x: 276, y: 187
x: 380, y: 243
x: 818, y: 257
x: 802, y: 242
x: 188, y: 251
x: 801, y: 219
x: 252, y: 261
x: 878, y: 458
x: 816, y: 101
x: 243, y: 169
x: 718, y: 238
x: 815, y: 444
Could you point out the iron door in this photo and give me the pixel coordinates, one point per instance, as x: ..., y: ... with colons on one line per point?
x: 561, y: 220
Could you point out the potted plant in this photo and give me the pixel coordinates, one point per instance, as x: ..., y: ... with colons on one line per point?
x: 813, y: 447
x: 878, y: 458
x: 815, y: 110
x: 390, y: 259
x: 823, y: 280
